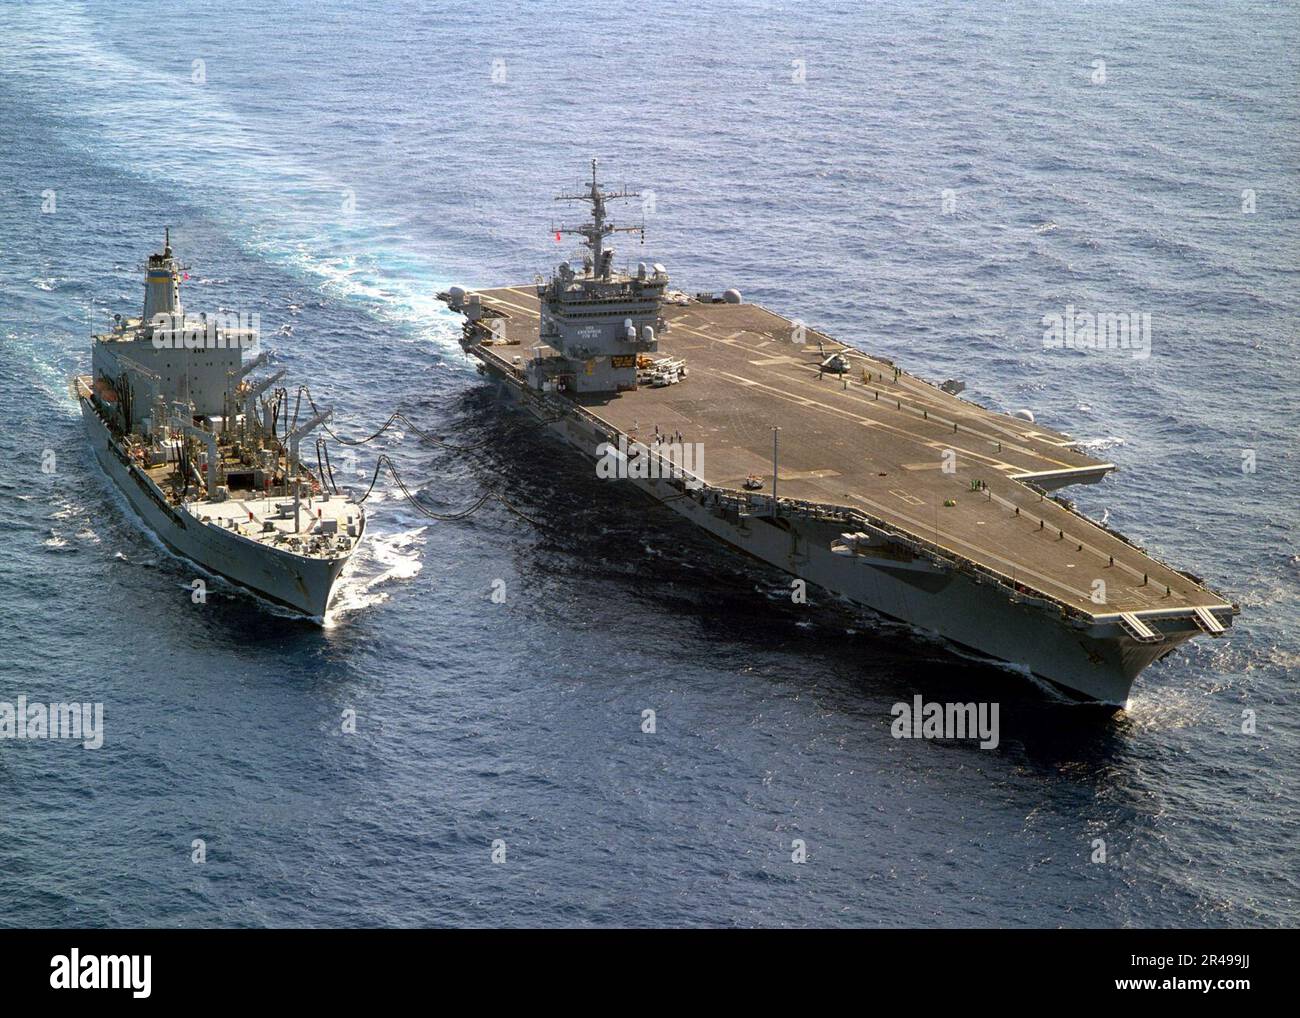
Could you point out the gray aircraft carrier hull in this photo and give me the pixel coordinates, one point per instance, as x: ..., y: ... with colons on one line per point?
x: 301, y: 583
x: 1092, y: 663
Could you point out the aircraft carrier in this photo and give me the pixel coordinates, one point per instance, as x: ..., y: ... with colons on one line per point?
x: 835, y: 466
x: 209, y: 459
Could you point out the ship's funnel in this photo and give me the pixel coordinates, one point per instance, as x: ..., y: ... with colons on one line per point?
x: 162, y: 283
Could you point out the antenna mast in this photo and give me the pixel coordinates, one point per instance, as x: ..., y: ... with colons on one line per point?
x: 597, y: 229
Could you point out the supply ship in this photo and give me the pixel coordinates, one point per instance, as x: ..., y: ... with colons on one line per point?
x: 835, y: 466
x: 208, y: 457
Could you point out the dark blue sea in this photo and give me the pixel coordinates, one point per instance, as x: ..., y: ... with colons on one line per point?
x: 926, y: 181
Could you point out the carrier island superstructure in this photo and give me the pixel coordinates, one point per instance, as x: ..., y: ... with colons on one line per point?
x: 836, y: 466
x: 210, y: 458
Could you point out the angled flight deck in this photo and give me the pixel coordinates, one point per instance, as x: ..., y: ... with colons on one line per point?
x: 835, y: 466
x: 866, y: 440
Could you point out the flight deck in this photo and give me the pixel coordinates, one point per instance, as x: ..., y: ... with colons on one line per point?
x: 939, y: 468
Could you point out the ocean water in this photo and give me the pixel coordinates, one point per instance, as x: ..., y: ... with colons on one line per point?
x: 922, y: 180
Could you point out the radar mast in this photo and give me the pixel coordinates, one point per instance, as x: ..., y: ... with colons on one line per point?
x: 595, y: 230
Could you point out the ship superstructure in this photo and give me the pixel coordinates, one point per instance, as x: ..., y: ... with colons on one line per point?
x: 211, y: 458
x: 838, y: 467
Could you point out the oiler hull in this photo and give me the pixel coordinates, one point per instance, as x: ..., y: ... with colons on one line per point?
x: 301, y: 583
x: 1095, y: 662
